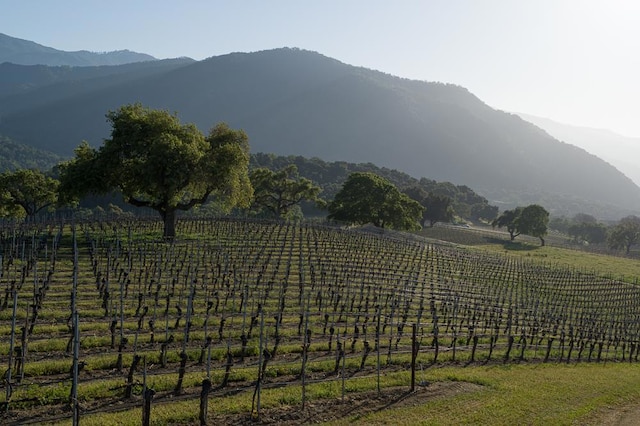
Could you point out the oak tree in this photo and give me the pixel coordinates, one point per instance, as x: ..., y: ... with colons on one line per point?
x: 27, y: 192
x: 625, y: 234
x: 278, y: 191
x: 533, y: 221
x: 508, y: 219
x: 530, y: 220
x: 368, y: 198
x: 159, y: 163
x: 437, y: 207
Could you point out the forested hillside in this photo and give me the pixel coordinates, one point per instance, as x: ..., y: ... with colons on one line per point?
x: 296, y: 102
x: 330, y: 176
x: 18, y: 156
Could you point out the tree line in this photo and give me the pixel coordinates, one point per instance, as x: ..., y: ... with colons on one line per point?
x: 331, y: 176
x: 155, y: 161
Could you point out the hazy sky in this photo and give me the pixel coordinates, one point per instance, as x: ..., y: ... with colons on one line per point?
x: 574, y: 61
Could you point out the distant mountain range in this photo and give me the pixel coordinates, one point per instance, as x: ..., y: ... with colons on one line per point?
x: 24, y: 52
x: 615, y: 149
x: 297, y: 102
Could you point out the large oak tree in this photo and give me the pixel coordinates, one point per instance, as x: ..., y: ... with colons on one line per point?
x: 369, y: 198
x: 159, y: 163
x: 530, y: 220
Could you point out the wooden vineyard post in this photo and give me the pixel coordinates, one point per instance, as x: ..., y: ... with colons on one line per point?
x: 243, y: 337
x: 255, y: 409
x: 343, y: 368
x: 146, y: 409
x: 74, y: 386
x: 76, y: 335
x: 9, y: 389
x: 147, y: 396
x: 414, y: 355
x: 209, y: 359
x: 305, y: 354
x: 378, y: 348
x: 204, y: 400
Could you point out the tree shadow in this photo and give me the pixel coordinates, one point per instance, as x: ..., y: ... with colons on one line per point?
x: 513, y: 245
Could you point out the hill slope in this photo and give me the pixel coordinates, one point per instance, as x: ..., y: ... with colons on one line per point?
x: 294, y: 102
x: 18, y: 156
x: 616, y: 149
x: 26, y: 52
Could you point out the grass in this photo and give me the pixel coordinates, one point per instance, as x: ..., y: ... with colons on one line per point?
x: 617, y: 267
x: 622, y: 268
x: 533, y: 394
x: 539, y: 394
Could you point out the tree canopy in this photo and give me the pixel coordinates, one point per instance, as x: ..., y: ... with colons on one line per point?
x: 159, y: 163
x: 278, y: 191
x: 625, y: 234
x: 437, y: 208
x: 533, y: 221
x: 508, y: 219
x: 586, y: 228
x: 27, y: 192
x: 330, y: 176
x: 530, y: 220
x: 369, y: 198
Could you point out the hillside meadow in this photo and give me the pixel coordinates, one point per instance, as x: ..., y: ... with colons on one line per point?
x: 241, y: 321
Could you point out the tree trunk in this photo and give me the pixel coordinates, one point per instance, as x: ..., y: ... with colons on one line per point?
x: 541, y: 241
x: 169, y: 217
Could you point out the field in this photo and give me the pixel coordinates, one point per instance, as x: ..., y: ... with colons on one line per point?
x: 240, y: 321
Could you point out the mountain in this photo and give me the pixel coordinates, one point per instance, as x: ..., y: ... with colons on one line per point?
x: 296, y: 102
x: 18, y: 156
x: 28, y: 86
x: 24, y: 52
x: 620, y: 151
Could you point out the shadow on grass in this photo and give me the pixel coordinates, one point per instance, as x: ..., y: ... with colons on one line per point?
x: 513, y: 245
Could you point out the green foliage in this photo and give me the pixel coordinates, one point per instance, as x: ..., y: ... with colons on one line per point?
x: 508, y: 219
x: 369, y: 198
x: 588, y: 232
x: 330, y: 176
x: 14, y: 156
x: 530, y: 220
x: 159, y: 163
x: 533, y: 220
x: 437, y: 207
x: 584, y: 228
x: 483, y: 211
x: 27, y: 192
x: 625, y: 234
x: 278, y: 191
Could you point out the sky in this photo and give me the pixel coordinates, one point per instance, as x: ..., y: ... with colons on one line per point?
x: 573, y: 61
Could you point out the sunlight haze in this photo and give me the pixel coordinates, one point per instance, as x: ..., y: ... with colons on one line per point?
x: 575, y: 62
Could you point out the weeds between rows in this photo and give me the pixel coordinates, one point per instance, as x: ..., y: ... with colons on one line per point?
x: 247, y: 304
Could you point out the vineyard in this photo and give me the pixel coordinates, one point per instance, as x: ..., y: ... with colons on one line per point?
x: 106, y: 317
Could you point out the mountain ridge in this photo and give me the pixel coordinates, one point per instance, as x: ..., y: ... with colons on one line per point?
x: 298, y: 102
x: 606, y: 144
x: 25, y: 52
